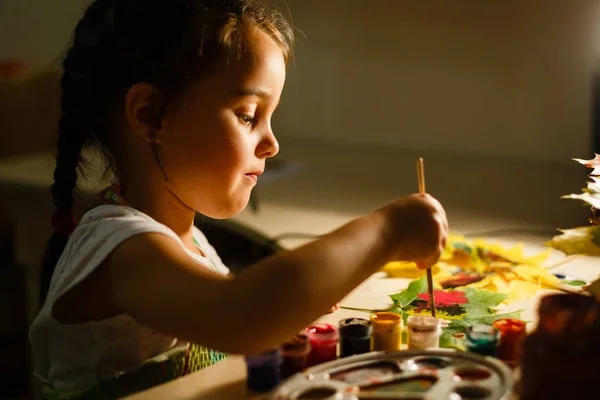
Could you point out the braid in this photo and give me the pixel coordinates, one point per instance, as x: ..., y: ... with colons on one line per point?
x: 73, y: 132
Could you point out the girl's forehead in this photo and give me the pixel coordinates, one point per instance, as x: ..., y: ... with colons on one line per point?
x: 260, y: 71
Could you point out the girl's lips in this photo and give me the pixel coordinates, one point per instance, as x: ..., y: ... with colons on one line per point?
x: 252, y: 176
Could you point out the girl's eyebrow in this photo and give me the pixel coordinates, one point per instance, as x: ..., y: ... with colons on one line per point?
x: 262, y: 93
x: 252, y: 92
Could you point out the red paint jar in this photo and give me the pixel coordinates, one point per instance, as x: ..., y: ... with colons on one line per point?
x: 512, y: 332
x: 323, y: 340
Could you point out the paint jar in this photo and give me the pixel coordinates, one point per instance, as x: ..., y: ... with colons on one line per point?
x: 387, y: 331
x: 355, y: 336
x: 482, y: 340
x: 263, y: 370
x: 323, y: 340
x: 512, y: 332
x: 423, y: 332
x: 295, y: 355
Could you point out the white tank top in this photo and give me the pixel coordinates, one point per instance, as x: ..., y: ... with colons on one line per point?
x: 75, y: 357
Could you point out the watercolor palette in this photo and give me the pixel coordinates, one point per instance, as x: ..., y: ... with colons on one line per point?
x: 408, y: 375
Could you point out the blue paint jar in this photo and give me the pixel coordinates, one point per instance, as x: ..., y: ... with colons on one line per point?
x: 483, y: 340
x: 263, y: 370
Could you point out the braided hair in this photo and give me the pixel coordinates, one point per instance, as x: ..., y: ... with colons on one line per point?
x: 119, y: 43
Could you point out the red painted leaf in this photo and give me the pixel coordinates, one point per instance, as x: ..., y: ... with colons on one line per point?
x: 445, y: 298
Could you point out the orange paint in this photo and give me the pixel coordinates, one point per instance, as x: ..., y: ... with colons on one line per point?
x: 512, y: 332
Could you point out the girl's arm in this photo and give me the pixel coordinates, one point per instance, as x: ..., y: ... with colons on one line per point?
x: 155, y: 281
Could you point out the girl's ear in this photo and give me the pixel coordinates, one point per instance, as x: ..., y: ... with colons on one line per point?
x: 143, y: 111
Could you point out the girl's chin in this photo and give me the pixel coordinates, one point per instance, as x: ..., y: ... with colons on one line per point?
x: 232, y: 208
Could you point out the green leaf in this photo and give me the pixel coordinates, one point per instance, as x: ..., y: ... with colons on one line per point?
x: 489, y: 319
x: 481, y: 301
x: 448, y: 338
x: 414, y: 289
x: 397, y: 310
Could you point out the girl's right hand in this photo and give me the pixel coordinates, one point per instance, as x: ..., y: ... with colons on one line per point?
x: 417, y: 229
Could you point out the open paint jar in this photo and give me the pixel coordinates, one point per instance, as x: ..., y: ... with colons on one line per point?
x: 355, y: 336
x: 482, y: 339
x: 512, y: 333
x: 323, y: 340
x: 423, y: 332
x: 387, y: 331
x: 263, y: 370
x: 295, y: 355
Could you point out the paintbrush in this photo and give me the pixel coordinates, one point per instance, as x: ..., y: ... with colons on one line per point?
x: 421, y: 177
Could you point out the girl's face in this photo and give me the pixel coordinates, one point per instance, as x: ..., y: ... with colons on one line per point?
x: 215, y: 140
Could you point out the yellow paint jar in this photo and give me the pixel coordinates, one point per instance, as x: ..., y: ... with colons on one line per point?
x: 387, y: 331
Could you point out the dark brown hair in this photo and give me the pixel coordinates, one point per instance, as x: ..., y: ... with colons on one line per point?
x: 118, y: 43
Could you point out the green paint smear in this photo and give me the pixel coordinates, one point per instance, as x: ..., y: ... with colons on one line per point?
x: 575, y: 283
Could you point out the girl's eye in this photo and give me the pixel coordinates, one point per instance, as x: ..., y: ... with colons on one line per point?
x: 247, y: 120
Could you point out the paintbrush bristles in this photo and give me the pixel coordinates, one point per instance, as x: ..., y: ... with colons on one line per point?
x: 422, y: 190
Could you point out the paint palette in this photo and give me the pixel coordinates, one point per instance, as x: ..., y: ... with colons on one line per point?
x: 408, y: 375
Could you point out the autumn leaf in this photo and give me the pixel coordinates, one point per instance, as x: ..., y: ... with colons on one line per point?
x: 459, y: 280
x: 489, y: 319
x: 540, y: 276
x: 593, y: 198
x: 582, y: 240
x: 481, y: 302
x: 407, y: 296
x: 593, y: 185
x: 443, y: 298
x: 453, y: 336
x: 594, y: 288
x: 593, y: 163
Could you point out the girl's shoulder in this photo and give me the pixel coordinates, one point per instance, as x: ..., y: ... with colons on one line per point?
x: 97, y: 235
x: 110, y: 213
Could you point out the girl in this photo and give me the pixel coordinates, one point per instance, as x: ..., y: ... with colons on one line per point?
x: 179, y: 95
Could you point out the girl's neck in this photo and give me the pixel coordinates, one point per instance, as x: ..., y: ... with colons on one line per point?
x: 161, y: 204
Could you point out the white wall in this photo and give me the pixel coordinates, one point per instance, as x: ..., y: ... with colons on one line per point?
x: 506, y: 78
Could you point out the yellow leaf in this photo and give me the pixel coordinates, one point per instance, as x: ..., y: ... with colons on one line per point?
x: 521, y: 290
x: 537, y: 275
x: 594, y: 288
x: 400, y: 269
x: 408, y: 270
x: 577, y: 241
